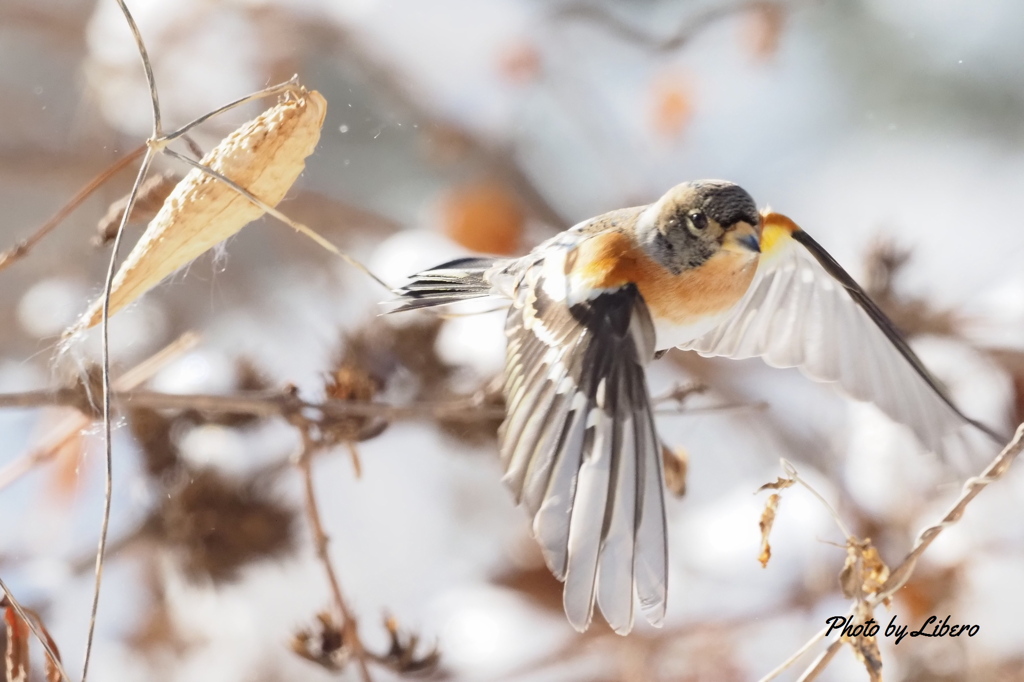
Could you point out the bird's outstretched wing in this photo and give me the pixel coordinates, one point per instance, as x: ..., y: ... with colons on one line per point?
x: 579, y: 444
x: 803, y: 310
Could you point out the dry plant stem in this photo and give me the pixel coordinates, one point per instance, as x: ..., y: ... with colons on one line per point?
x: 34, y: 627
x: 901, y: 574
x: 263, y: 404
x: 791, y: 471
x: 295, y: 225
x: 796, y: 656
x: 151, y: 150
x: 821, y: 662
x: 288, y: 405
x: 69, y: 428
x: 304, y: 461
x: 972, y: 486
x: 287, y: 86
x: 108, y: 490
x: 140, y: 45
x: 22, y: 248
x: 637, y: 36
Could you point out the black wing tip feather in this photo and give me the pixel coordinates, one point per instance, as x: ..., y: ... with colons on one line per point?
x: 456, y: 280
x: 882, y: 321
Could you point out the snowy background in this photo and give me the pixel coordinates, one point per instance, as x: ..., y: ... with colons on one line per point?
x: 883, y: 128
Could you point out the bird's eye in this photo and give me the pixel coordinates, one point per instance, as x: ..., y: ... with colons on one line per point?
x: 698, y: 220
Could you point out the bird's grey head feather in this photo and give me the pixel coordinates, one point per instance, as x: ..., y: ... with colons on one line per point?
x: 686, y: 226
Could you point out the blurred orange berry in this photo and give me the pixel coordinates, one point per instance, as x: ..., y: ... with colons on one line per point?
x: 483, y: 216
x: 673, y: 106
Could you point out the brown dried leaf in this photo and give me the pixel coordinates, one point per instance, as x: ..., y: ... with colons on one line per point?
x: 17, y: 633
x: 778, y: 484
x: 863, y: 572
x: 767, y: 521
x: 866, y: 650
x: 323, y: 644
x: 265, y: 156
x: 850, y: 575
x: 401, y: 656
x: 51, y: 671
x: 875, y: 570
x: 351, y: 383
x: 16, y: 659
x: 150, y: 198
x: 675, y: 462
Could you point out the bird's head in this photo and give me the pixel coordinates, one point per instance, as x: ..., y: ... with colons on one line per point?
x: 696, y: 220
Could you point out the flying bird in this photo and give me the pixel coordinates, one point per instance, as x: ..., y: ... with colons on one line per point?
x: 700, y: 269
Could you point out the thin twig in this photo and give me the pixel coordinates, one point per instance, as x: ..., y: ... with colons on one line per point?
x: 796, y: 655
x: 791, y: 471
x: 108, y: 492
x: 287, y: 86
x: 304, y: 462
x: 263, y: 404
x: 22, y: 248
x: 682, y: 35
x: 821, y: 662
x: 972, y: 486
x: 34, y: 627
x: 286, y: 404
x: 140, y: 45
x: 899, y: 576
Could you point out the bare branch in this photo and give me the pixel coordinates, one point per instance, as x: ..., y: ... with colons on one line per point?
x: 972, y: 486
x: 349, y: 627
x: 63, y: 432
x: 682, y: 35
x: 22, y: 248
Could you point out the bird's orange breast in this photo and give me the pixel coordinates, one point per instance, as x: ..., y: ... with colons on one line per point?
x: 611, y: 260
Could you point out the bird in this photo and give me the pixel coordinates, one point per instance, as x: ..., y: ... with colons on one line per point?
x: 701, y: 269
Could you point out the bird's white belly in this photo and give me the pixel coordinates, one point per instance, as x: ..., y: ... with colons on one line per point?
x: 670, y: 335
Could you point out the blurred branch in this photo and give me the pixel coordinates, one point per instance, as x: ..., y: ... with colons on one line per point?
x: 285, y: 404
x: 972, y: 486
x: 497, y: 159
x: 67, y: 429
x: 349, y: 625
x: 860, y: 573
x: 21, y: 249
x: 682, y: 35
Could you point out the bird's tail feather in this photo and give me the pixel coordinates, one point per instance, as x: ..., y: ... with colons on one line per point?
x: 456, y: 280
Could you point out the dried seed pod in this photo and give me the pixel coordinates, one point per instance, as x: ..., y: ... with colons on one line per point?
x: 265, y: 156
